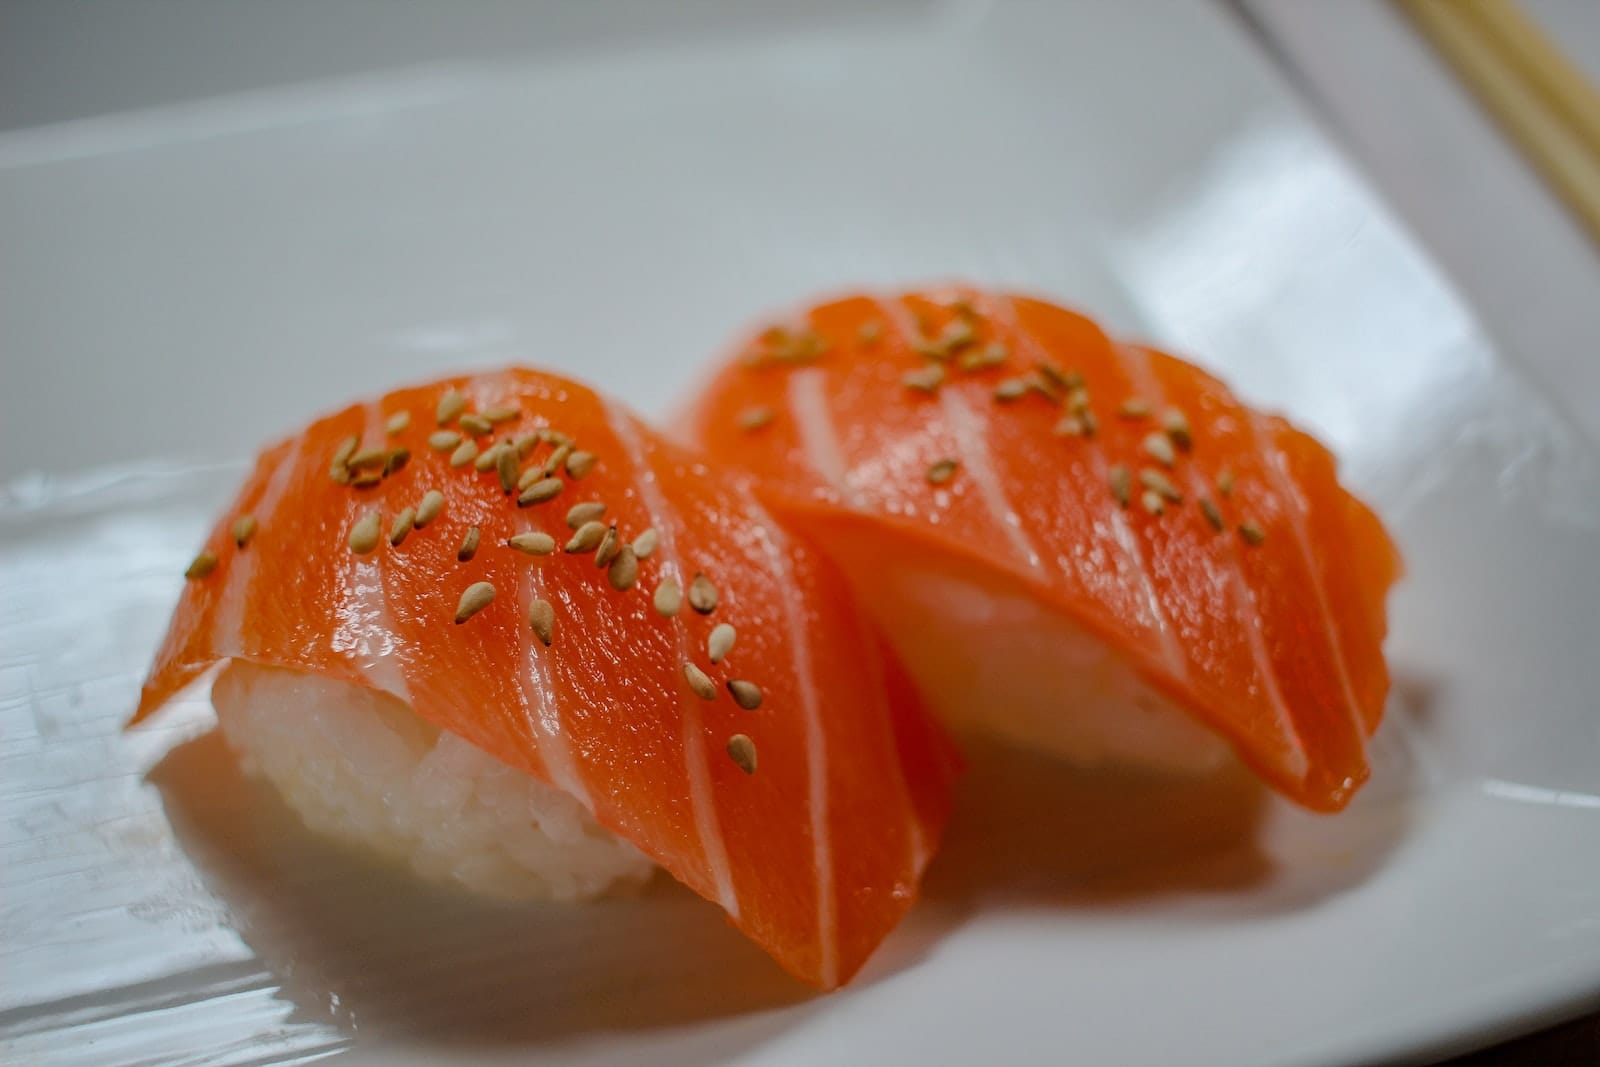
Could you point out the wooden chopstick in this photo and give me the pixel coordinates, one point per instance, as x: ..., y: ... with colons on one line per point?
x: 1540, y: 100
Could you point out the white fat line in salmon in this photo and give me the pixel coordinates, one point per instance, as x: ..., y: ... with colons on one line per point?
x: 665, y: 522
x: 1241, y: 598
x: 974, y: 457
x: 807, y: 401
x: 227, y: 634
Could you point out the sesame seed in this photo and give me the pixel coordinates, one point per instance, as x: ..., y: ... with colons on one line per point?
x: 432, y: 504
x: 367, y: 479
x: 924, y: 379
x: 699, y: 684
x: 1134, y: 408
x: 477, y: 596
x: 1011, y: 389
x: 203, y: 564
x: 1078, y: 399
x: 942, y: 471
x: 580, y: 464
x: 1121, y: 483
x: 1176, y: 424
x: 588, y: 537
x: 443, y: 440
x: 339, y: 466
x: 1069, y: 426
x: 489, y: 457
x: 364, y: 534
x: 402, y: 525
x: 469, y: 544
x: 540, y: 491
x: 588, y: 511
x: 556, y: 460
x: 533, y: 543
x: 624, y: 570
x: 465, y: 453
x: 533, y: 474
x: 1213, y: 516
x: 498, y: 415
x: 645, y: 544
x: 1152, y: 502
x: 720, y: 643
x: 542, y: 618
x: 610, y: 545
x: 870, y: 332
x: 956, y: 335
x: 552, y: 436
x: 1160, y: 484
x: 506, y: 468
x: 745, y: 694
x: 668, y: 597
x: 1159, y: 446
x: 395, y: 460
x: 702, y: 594
x: 397, y: 422
x: 990, y: 355
x: 451, y: 405
x: 742, y: 751
x: 1039, y: 384
x: 1090, y: 423
x: 526, y: 444
x: 1225, y: 481
x: 367, y: 458
x: 754, y: 418
x: 1058, y: 377
x: 244, y: 528
x: 1252, y: 533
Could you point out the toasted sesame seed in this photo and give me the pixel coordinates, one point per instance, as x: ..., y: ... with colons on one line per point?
x: 699, y: 684
x: 477, y: 596
x: 552, y: 436
x: 430, y: 507
x: 533, y: 542
x: 1159, y: 446
x: 497, y: 415
x: 956, y: 335
x: 489, y: 457
x: 645, y: 544
x: 540, y: 491
x: 526, y: 444
x: 668, y: 597
x: 745, y: 694
x: 244, y: 528
x: 1152, y: 502
x: 556, y: 460
x: 754, y: 418
x: 1134, y: 408
x: 1160, y: 484
x: 402, y: 525
x: 1225, y: 481
x: 870, y: 332
x: 742, y: 751
x: 339, y: 466
x: 924, y: 379
x: 1041, y: 385
x: 451, y: 405
x: 720, y: 643
x: 588, y: 537
x: 506, y: 468
x: 1011, y: 389
x: 1069, y: 426
x: 202, y: 565
x: 1090, y: 423
x: 443, y: 440
x: 469, y: 544
x: 367, y: 458
x: 990, y: 355
x: 1078, y: 400
x: 1121, y: 483
x: 396, y: 459
x: 366, y: 479
x: 1213, y: 516
x: 702, y: 594
x: 624, y: 570
x: 1176, y: 424
x: 1058, y: 377
x: 532, y: 474
x: 942, y: 471
x: 610, y: 545
x: 465, y: 453
x: 1251, y: 532
x: 542, y: 618
x: 588, y: 511
x: 397, y: 422
x: 364, y: 534
x: 580, y: 463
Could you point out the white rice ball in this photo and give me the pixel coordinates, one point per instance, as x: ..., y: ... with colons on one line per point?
x: 358, y: 765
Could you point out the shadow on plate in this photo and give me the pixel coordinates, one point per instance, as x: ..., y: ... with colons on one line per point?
x: 369, y: 948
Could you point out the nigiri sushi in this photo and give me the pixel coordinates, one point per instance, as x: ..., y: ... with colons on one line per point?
x: 1086, y: 547
x: 499, y: 628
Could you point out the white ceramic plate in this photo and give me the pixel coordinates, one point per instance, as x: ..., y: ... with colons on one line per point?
x: 180, y: 283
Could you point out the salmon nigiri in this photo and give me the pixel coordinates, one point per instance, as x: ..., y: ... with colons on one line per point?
x: 1084, y: 546
x: 495, y: 625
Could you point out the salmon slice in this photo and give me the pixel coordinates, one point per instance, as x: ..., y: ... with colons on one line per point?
x: 1084, y: 545
x: 808, y: 818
